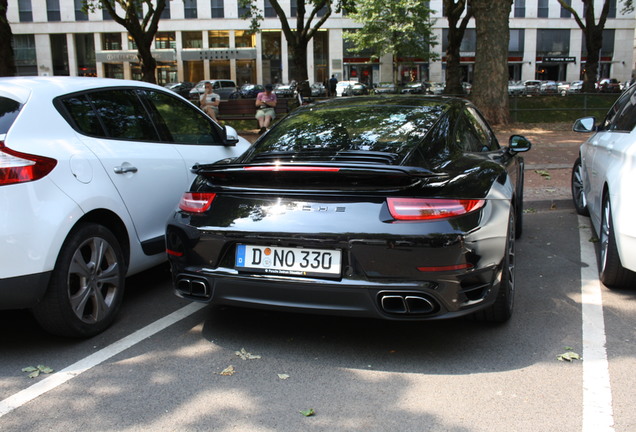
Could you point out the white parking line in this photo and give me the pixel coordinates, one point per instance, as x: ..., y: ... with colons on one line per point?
x: 22, y: 397
x: 597, y: 393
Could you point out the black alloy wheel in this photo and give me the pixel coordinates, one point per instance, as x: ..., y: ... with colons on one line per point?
x: 612, y: 273
x: 578, y: 191
x: 87, y: 284
x: 501, y: 310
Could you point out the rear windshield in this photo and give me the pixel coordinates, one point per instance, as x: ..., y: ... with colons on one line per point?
x: 325, y: 132
x: 9, y: 110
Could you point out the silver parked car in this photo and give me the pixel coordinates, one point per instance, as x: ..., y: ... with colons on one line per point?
x: 603, y: 178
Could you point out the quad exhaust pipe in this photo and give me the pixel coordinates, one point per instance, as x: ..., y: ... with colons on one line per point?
x: 407, y: 304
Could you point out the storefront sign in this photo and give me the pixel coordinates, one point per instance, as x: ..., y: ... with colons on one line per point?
x: 219, y: 54
x: 133, y: 56
x: 559, y: 59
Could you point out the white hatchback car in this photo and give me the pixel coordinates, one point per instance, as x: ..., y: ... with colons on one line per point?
x: 603, y: 178
x: 90, y: 171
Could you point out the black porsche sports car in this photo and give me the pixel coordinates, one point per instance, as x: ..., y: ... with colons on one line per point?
x: 397, y: 207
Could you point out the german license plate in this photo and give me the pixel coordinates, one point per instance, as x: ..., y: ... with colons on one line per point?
x: 288, y: 261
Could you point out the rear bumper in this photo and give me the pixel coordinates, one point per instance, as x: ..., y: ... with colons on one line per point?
x: 23, y: 291
x: 451, y: 295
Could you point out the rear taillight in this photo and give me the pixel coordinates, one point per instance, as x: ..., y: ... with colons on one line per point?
x: 16, y: 167
x: 196, y: 202
x: 419, y: 209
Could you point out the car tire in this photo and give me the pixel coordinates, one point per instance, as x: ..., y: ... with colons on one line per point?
x: 611, y: 272
x: 87, y: 284
x: 578, y: 191
x: 501, y: 310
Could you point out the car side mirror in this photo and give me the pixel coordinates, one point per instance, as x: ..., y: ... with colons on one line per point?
x: 230, y: 136
x: 585, y: 124
x: 519, y: 144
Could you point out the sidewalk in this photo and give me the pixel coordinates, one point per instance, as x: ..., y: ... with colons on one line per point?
x: 555, y: 147
x: 548, y: 171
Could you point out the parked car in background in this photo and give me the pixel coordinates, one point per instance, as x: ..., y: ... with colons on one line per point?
x: 356, y: 89
x: 603, y: 179
x: 342, y: 86
x: 548, y: 87
x: 284, y: 90
x: 437, y: 88
x: 395, y: 207
x: 250, y: 91
x: 181, y: 88
x: 318, y: 90
x: 516, y: 88
x: 224, y: 88
x: 90, y: 169
x: 575, y: 87
x: 609, y: 85
x: 416, y: 88
x: 385, y: 88
x: 563, y: 87
x: 531, y: 87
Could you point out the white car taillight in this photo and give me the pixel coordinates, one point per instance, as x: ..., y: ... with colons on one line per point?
x: 16, y: 167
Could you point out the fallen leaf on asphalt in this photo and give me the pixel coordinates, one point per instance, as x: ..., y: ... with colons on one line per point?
x: 593, y: 239
x: 308, y: 413
x: 283, y: 376
x: 543, y: 173
x: 530, y: 210
x: 35, y: 371
x: 569, y: 356
x: 228, y: 371
x: 243, y: 354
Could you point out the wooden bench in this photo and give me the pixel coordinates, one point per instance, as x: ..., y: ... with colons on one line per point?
x: 245, y: 109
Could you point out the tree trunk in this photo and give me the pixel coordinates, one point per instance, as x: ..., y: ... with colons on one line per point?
x: 455, y: 37
x: 490, y: 89
x: 148, y: 64
x: 300, y: 60
x: 7, y: 60
x: 594, y: 43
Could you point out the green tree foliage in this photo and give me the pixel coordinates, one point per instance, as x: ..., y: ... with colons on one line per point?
x: 141, y: 19
x: 453, y: 11
x: 490, y: 87
x: 310, y: 16
x: 593, y: 33
x: 402, y: 28
x: 7, y: 62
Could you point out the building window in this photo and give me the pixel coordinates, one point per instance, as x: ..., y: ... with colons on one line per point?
x: 192, y: 39
x: 218, y: 39
x: 24, y: 52
x: 243, y: 11
x: 517, y: 38
x: 552, y: 42
x: 59, y: 52
x: 564, y: 12
x: 469, y: 42
x: 269, y: 10
x: 165, y: 13
x: 165, y: 40
x: 132, y: 45
x: 218, y: 9
x: 190, y: 9
x: 25, y: 11
x: 80, y: 14
x: 85, y: 50
x: 607, y: 49
x: 244, y: 39
x: 520, y: 8
x: 106, y: 15
x: 53, y: 10
x: 612, y: 9
x: 111, y: 42
x: 542, y: 9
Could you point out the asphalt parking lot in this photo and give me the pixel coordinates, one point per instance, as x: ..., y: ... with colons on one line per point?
x: 165, y: 364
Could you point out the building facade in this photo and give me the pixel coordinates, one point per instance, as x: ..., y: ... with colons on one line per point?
x: 206, y: 39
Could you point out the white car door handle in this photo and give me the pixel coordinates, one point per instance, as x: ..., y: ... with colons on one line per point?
x: 125, y: 169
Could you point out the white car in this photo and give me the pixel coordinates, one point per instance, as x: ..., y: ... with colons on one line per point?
x: 603, y: 179
x: 90, y: 171
x: 342, y: 86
